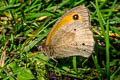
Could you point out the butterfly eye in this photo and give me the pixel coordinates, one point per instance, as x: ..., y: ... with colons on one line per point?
x: 75, y: 16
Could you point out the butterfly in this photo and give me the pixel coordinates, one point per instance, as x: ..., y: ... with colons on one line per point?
x: 70, y: 36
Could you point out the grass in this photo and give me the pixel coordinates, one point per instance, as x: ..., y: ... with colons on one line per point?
x: 24, y: 24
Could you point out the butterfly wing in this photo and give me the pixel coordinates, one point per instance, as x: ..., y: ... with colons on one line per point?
x: 70, y: 36
x: 75, y: 39
x: 81, y: 11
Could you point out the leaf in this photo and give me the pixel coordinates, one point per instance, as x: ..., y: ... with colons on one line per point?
x: 39, y: 14
x: 115, y: 29
x: 2, y: 75
x: 25, y: 74
x: 15, y: 68
x: 9, y: 7
x: 115, y: 20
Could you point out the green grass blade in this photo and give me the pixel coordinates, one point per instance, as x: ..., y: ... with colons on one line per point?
x: 107, y: 51
x: 74, y: 63
x: 113, y: 75
x: 113, y: 6
x: 100, y: 72
x: 100, y: 18
x: 33, y: 43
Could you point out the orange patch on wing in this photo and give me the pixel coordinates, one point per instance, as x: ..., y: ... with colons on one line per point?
x: 67, y: 19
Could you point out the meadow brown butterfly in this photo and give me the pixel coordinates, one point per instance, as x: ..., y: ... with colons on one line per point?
x: 70, y: 36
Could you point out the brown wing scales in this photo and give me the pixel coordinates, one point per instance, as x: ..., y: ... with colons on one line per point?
x: 72, y: 42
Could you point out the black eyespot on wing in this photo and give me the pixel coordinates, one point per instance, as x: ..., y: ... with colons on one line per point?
x: 75, y: 16
x: 83, y: 44
x: 74, y: 29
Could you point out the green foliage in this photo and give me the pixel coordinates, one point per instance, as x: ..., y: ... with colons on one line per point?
x: 26, y: 23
